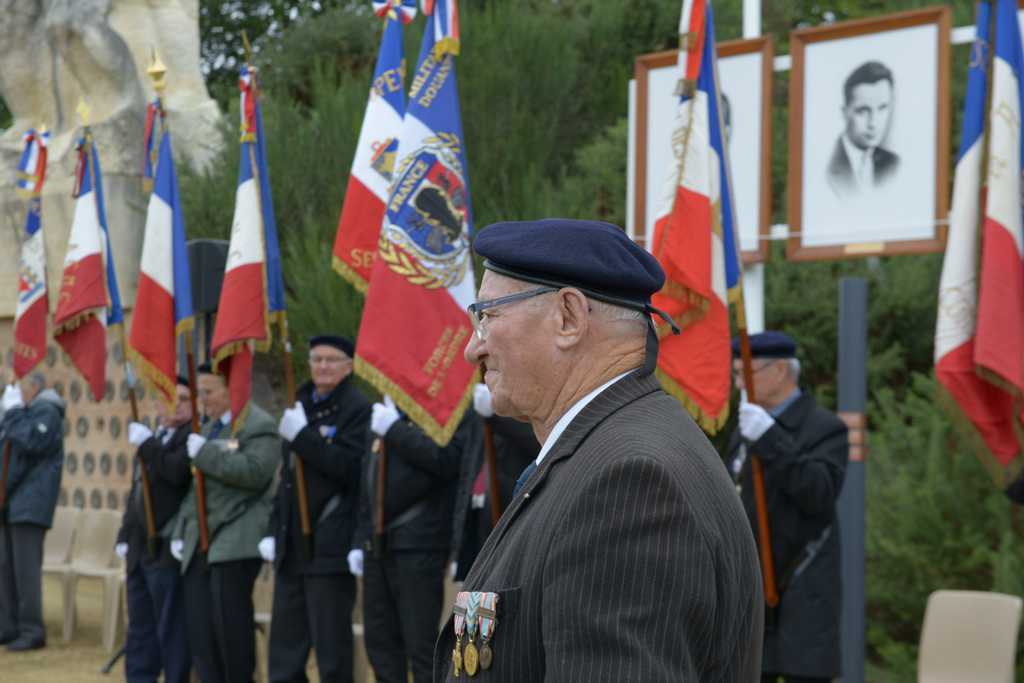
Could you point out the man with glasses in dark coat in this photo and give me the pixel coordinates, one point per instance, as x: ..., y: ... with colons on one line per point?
x: 803, y: 448
x: 314, y: 591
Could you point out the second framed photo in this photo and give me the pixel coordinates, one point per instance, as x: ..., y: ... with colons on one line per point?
x: 745, y: 71
x: 869, y: 136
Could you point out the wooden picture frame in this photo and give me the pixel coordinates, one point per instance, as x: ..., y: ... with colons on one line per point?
x: 660, y: 65
x: 829, y: 196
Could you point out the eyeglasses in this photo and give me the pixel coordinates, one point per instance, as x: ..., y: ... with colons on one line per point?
x: 737, y: 374
x: 329, y: 360
x: 475, y: 309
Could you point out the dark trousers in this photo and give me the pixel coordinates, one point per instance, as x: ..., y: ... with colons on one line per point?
x: 774, y: 678
x: 402, y: 596
x: 221, y: 630
x: 21, y: 582
x: 312, y: 611
x: 157, y: 638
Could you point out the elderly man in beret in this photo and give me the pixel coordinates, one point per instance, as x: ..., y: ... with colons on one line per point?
x: 803, y: 448
x: 314, y: 591
x: 625, y: 554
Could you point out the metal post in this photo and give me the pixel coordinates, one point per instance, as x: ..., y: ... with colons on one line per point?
x: 852, y: 361
x: 753, y: 275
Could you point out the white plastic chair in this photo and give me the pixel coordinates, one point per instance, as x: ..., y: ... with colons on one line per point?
x: 969, y: 636
x: 93, y: 556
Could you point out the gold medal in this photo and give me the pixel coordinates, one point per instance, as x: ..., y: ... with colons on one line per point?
x: 486, y: 656
x: 457, y: 659
x: 471, y: 658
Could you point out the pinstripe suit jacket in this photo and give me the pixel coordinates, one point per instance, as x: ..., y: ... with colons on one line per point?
x: 626, y: 557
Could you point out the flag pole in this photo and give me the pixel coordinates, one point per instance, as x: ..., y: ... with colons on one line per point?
x: 147, y: 491
x: 286, y: 346
x: 197, y: 474
x: 491, y: 461
x: 764, y: 536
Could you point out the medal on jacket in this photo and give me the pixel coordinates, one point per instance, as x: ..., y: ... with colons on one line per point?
x: 471, y: 657
x: 459, y: 612
x: 488, y: 623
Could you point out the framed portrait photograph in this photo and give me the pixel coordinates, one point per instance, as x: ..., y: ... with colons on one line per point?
x: 869, y: 136
x: 745, y: 73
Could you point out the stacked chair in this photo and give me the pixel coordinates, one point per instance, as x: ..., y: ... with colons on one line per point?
x: 81, y: 544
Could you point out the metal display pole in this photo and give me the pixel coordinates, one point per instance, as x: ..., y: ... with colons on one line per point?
x: 852, y: 361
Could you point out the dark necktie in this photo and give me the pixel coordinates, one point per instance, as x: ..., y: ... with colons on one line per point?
x: 215, y: 430
x: 523, y: 477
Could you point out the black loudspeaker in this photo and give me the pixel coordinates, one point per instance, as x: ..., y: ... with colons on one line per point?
x: 206, y: 259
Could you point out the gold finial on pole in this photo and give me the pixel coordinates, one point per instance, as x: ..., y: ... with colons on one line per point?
x: 157, y: 73
x: 83, y: 111
x: 248, y: 48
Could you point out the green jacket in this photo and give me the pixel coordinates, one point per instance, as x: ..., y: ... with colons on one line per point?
x: 239, y: 490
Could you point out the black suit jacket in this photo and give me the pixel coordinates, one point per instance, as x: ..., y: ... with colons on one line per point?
x: 625, y: 557
x: 168, y: 467
x: 804, y: 456
x: 331, y: 448
x: 422, y: 478
x: 842, y: 179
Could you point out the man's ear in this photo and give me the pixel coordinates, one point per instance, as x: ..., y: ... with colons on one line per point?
x: 573, y: 318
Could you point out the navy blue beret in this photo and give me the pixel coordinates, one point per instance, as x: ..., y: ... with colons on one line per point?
x: 343, y: 344
x: 597, y: 258
x: 767, y: 344
x: 183, y: 381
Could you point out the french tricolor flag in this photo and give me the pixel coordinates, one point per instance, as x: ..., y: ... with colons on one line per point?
x: 694, y: 233
x: 33, y: 305
x: 979, y: 336
x: 355, y: 244
x: 252, y: 295
x: 163, y: 303
x: 89, y: 300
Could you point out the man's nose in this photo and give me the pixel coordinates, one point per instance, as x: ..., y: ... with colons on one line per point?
x: 472, y: 354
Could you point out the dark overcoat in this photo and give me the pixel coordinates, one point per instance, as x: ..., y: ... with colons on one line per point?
x: 37, y: 459
x: 804, y: 456
x: 169, y: 470
x: 331, y: 448
x: 625, y: 557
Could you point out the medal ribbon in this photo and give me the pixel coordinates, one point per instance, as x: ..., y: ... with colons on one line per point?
x: 460, y: 614
x: 472, y: 605
x: 488, y: 616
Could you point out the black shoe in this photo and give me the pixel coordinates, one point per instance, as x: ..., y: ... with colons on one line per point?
x: 8, y: 637
x: 22, y: 644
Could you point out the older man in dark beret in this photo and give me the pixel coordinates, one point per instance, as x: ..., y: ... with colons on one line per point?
x: 803, y: 448
x: 314, y: 589
x: 625, y: 554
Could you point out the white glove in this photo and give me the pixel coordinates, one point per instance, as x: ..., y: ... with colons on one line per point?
x: 12, y: 397
x: 355, y: 562
x: 267, y: 546
x: 178, y: 548
x: 384, y: 415
x: 754, y: 420
x: 138, y: 433
x: 482, y: 401
x: 292, y: 422
x: 194, y: 443
x: 121, y: 550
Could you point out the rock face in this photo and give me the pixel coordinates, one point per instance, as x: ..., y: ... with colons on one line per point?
x: 56, y: 53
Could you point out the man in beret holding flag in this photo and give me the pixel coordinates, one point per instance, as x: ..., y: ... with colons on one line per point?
x: 803, y: 448
x: 314, y: 591
x: 624, y: 554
